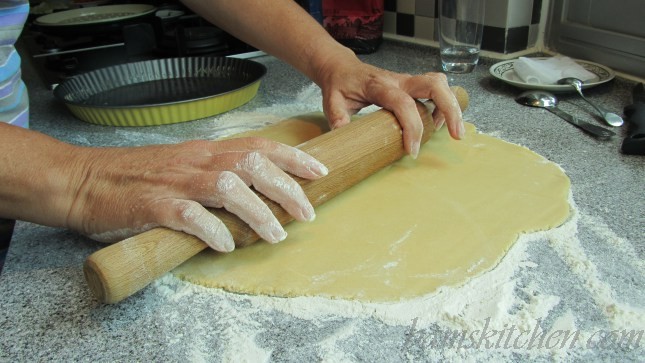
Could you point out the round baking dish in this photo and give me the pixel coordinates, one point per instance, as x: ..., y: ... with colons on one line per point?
x: 161, y: 91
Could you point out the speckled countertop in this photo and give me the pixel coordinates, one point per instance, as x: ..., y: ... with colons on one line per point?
x: 47, y: 312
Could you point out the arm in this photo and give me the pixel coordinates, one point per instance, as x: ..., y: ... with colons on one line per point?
x: 279, y: 27
x: 113, y: 193
x: 284, y: 29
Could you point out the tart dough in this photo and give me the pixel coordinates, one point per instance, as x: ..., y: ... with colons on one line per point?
x: 405, y: 231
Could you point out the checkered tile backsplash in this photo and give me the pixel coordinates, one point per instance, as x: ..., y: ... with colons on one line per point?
x: 509, y: 26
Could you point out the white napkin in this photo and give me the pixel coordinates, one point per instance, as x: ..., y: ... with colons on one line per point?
x: 550, y: 70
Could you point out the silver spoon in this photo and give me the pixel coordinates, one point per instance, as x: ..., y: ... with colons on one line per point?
x: 611, y: 118
x: 548, y: 101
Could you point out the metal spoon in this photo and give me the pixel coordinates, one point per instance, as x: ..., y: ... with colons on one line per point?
x: 611, y: 118
x: 548, y: 101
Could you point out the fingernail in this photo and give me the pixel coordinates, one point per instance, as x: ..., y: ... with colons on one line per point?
x: 221, y: 243
x: 439, y: 124
x: 318, y: 168
x: 277, y: 233
x: 462, y: 130
x: 340, y: 123
x: 308, y: 212
x: 228, y: 245
x: 220, y: 239
x: 414, y: 149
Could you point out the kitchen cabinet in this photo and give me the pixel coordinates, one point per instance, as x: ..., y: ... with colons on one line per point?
x: 606, y: 31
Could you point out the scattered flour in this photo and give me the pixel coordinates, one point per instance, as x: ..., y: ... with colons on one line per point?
x: 490, y: 301
x: 619, y: 315
x: 494, y: 300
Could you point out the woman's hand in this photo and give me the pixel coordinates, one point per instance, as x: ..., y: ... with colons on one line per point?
x: 113, y: 193
x: 129, y: 190
x: 284, y: 29
x: 349, y: 85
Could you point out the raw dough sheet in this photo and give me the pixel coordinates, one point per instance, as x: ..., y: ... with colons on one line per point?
x: 405, y: 231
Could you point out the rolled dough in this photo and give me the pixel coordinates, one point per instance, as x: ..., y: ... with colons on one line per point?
x: 407, y: 230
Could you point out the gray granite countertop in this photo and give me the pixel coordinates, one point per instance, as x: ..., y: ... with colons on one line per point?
x: 48, y: 313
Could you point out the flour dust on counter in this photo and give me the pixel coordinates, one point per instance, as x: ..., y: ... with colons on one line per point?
x: 475, y: 321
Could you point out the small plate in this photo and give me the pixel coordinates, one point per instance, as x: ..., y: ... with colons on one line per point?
x: 505, y: 72
x: 94, y: 15
x: 88, y: 3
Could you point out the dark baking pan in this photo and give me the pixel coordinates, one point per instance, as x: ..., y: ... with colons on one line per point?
x: 161, y: 91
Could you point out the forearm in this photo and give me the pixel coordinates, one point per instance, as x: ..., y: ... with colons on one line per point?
x: 37, y: 176
x: 279, y: 27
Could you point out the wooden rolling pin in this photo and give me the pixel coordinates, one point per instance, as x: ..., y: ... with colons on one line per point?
x: 351, y: 153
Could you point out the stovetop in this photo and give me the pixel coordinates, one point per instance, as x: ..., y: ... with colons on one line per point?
x: 174, y: 31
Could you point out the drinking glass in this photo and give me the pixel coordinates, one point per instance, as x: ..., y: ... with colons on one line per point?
x: 461, y: 25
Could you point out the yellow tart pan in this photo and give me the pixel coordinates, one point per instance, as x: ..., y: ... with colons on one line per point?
x: 161, y: 91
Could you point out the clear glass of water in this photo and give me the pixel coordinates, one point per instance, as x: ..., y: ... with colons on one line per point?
x: 461, y: 25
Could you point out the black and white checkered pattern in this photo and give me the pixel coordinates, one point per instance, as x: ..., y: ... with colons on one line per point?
x: 510, y: 25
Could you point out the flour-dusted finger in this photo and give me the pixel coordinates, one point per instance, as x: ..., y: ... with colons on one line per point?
x: 297, y: 162
x: 192, y: 218
x: 234, y: 195
x: 286, y: 157
x: 258, y: 170
x: 273, y: 182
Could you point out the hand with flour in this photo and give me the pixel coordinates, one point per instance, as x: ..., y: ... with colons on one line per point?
x: 113, y: 193
x: 282, y: 28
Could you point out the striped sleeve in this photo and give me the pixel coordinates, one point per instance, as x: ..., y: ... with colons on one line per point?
x: 14, y: 101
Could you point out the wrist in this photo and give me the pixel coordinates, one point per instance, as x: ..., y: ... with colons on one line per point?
x: 64, y: 182
x: 30, y: 176
x: 325, y: 61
